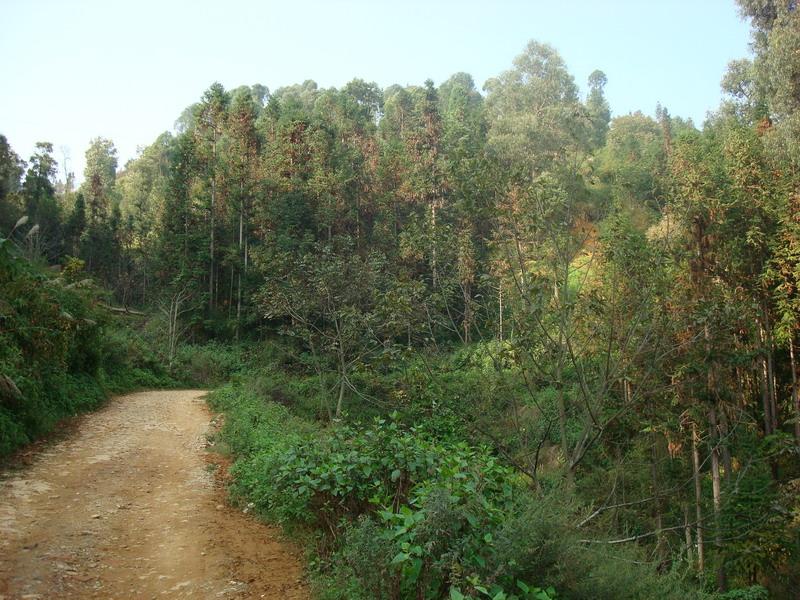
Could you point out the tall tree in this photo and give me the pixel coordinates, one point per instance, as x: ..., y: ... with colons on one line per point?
x: 11, y: 170
x: 40, y: 205
x: 209, y: 120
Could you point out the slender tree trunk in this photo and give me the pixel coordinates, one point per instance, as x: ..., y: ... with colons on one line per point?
x: 171, y: 333
x: 698, y: 497
x: 763, y: 377
x: 687, y: 534
x: 724, y: 431
x: 238, y: 306
x: 342, y: 370
x: 766, y: 401
x: 329, y: 226
x: 340, y: 399
x: 657, y: 508
x: 211, y: 287
x: 773, y: 392
x: 562, y: 419
x: 500, y: 296
x: 239, y: 282
x: 358, y: 221
x: 230, y: 293
x: 467, y: 323
x: 173, y: 312
x: 795, y: 390
x: 722, y: 579
x: 434, y: 268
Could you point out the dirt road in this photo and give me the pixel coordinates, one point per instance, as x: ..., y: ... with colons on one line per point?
x: 128, y: 507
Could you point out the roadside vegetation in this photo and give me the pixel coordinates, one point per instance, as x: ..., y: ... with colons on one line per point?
x: 63, y: 351
x: 407, y: 504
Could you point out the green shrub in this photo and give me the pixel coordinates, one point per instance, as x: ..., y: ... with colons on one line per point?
x: 208, y: 364
x: 253, y: 425
x: 12, y: 432
x: 755, y: 592
x: 424, y: 509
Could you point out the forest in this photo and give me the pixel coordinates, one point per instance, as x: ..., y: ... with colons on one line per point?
x: 468, y: 343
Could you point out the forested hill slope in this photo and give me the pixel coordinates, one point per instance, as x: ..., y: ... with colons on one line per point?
x: 603, y: 311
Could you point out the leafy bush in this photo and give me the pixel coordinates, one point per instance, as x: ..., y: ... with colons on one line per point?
x: 208, y: 364
x: 755, y: 592
x: 432, y: 503
x: 254, y: 426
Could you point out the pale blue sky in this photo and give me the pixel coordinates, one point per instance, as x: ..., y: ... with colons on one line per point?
x: 74, y: 70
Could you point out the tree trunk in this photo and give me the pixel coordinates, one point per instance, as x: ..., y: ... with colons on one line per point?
x: 773, y: 391
x: 795, y: 390
x: 239, y: 281
x: 657, y: 508
x: 340, y: 400
x: 230, y: 293
x: 238, y: 306
x: 687, y: 533
x: 500, y: 295
x: 724, y: 431
x: 434, y: 271
x: 766, y: 401
x: 562, y: 422
x: 766, y: 404
x: 698, y: 497
x: 467, y: 323
x: 342, y: 371
x: 211, y: 287
x: 722, y: 579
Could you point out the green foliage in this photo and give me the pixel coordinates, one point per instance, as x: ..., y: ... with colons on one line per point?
x: 755, y: 592
x: 209, y: 364
x: 404, y: 511
x: 254, y: 426
x: 60, y: 353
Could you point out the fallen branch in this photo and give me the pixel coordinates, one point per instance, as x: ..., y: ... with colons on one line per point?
x: 605, y: 508
x: 634, y: 538
x: 123, y: 310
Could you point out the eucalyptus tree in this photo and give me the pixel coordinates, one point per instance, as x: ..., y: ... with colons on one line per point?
x: 99, y: 245
x: 415, y: 200
x: 466, y: 169
x: 40, y: 204
x: 538, y: 133
x: 766, y: 88
x: 599, y: 112
x: 240, y: 149
x: 143, y: 188
x: 11, y: 170
x: 538, y: 123
x: 100, y: 178
x: 632, y: 166
x: 783, y: 277
x: 209, y: 121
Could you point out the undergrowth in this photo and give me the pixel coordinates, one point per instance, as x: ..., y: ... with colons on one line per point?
x: 392, y: 510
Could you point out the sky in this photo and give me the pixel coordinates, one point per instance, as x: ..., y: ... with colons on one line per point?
x: 73, y: 70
